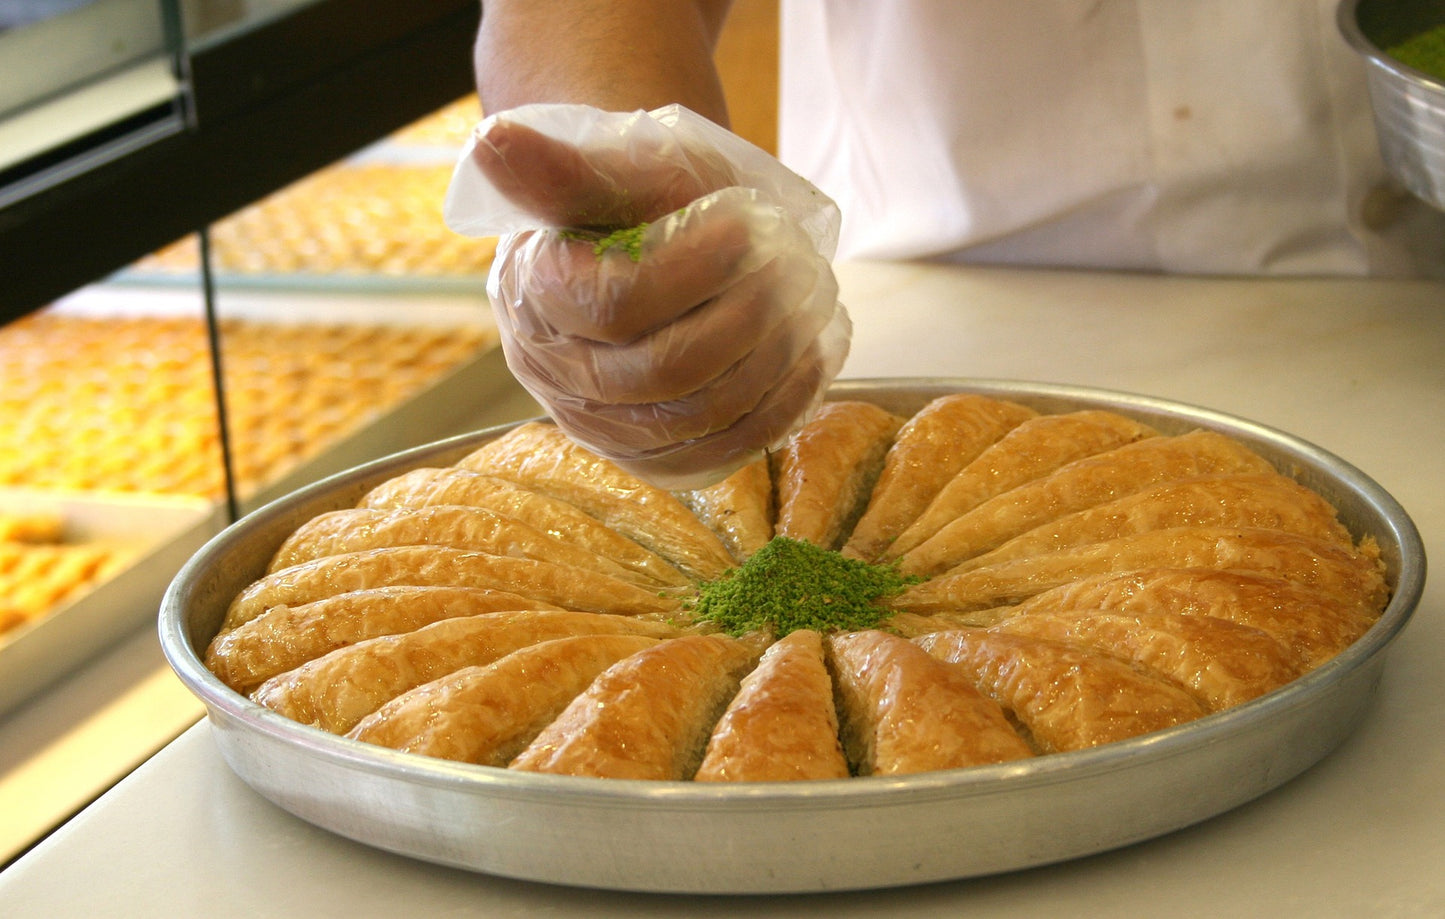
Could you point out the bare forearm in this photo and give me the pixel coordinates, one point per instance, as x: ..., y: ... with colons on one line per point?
x: 618, y: 55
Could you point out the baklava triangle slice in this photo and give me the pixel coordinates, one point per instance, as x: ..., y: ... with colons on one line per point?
x: 1032, y: 450
x: 782, y: 725
x: 1065, y: 696
x: 931, y: 447
x: 1081, y: 484
x: 449, y: 485
x: 1255, y: 500
x: 335, y: 691
x: 904, y: 711
x: 824, y: 474
x: 488, y: 714
x: 646, y: 717
x: 424, y: 566
x: 539, y: 456
x: 285, y: 637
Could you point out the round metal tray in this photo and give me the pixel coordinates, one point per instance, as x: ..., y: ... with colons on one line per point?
x: 802, y: 836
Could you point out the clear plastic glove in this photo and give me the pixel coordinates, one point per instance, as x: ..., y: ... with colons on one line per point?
x: 681, y: 349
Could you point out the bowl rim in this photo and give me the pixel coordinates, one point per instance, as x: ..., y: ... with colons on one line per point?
x: 1347, y: 20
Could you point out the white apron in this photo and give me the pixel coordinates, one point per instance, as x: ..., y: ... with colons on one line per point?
x: 1192, y: 136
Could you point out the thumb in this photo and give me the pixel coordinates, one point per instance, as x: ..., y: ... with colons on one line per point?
x: 564, y: 185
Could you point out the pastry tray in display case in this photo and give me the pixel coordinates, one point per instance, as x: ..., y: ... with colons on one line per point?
x: 155, y: 534
x: 165, y: 529
x: 369, y: 223
x: 473, y: 392
x: 858, y: 833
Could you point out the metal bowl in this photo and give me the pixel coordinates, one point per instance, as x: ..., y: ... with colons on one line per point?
x: 800, y: 836
x: 1409, y: 105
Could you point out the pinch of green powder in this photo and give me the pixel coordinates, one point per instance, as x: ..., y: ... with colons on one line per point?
x: 1425, y: 52
x: 792, y: 584
x: 628, y: 239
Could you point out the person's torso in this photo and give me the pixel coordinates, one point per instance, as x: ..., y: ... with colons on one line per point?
x: 1227, y: 136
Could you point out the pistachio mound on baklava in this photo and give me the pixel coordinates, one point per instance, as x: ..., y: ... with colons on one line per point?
x: 979, y: 582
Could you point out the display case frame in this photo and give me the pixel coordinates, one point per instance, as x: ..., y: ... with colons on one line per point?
x: 267, y: 103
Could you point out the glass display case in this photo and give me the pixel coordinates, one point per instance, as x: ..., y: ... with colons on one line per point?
x: 145, y: 400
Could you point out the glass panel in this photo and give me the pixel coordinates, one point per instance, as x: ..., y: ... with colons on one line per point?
x: 86, y: 80
x: 354, y: 322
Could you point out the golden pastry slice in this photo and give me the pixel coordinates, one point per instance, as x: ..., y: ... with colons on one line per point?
x: 1264, y: 500
x: 782, y: 725
x: 1066, y: 697
x: 285, y: 637
x: 903, y: 711
x: 424, y: 566
x: 1223, y: 663
x: 931, y: 447
x: 739, y: 509
x: 556, y: 518
x: 539, y: 456
x: 488, y: 714
x: 335, y: 691
x: 647, y: 717
x: 824, y: 473
x: 1309, y: 621
x: 1033, y: 449
x: 1353, y: 577
x: 475, y: 529
x: 1079, y: 485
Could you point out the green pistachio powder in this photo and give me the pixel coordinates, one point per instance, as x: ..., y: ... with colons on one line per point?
x: 627, y: 240
x: 1425, y: 52
x: 791, y: 584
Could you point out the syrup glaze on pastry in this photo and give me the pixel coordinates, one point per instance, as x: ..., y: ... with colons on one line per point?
x: 1038, y: 583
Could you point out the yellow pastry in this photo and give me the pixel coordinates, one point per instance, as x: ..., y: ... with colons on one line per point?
x: 930, y: 448
x: 285, y: 637
x: 335, y: 691
x: 450, y: 485
x: 1255, y: 500
x: 825, y: 473
x: 781, y: 726
x: 904, y: 711
x: 1079, y: 485
x: 739, y: 509
x: 539, y: 456
x: 647, y: 717
x: 1065, y: 696
x: 424, y: 566
x: 1033, y: 449
x: 488, y: 714
x: 475, y: 529
x: 1351, y: 576
x: 1223, y: 662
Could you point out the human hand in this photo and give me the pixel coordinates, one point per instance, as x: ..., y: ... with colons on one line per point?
x: 689, y: 351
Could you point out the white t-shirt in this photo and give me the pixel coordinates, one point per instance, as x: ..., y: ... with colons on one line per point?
x: 1192, y: 136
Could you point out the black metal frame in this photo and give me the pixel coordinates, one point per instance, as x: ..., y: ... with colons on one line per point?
x: 270, y: 105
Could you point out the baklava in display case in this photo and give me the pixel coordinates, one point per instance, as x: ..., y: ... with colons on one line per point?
x: 371, y: 220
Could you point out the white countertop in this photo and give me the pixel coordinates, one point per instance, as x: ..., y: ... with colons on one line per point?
x: 1357, y: 367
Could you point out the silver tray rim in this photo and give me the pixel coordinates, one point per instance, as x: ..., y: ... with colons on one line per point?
x: 759, y: 824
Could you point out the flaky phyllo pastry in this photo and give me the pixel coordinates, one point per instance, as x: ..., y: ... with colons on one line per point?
x: 977, y: 583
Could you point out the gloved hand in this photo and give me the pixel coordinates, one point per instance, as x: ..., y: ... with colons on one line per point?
x: 686, y: 345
